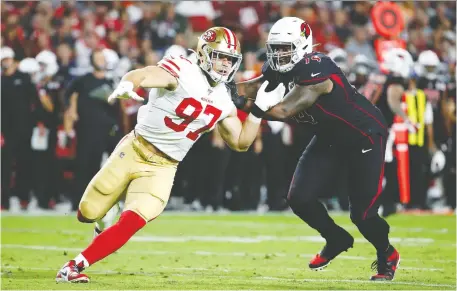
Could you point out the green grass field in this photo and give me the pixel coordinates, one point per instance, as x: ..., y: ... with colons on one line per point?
x: 220, y: 252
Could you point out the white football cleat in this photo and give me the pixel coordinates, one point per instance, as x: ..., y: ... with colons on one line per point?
x: 71, y: 272
x: 107, y: 220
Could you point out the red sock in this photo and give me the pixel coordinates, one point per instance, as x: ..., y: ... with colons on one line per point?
x: 114, y: 237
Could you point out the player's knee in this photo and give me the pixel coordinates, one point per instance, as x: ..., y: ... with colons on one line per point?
x: 88, y: 212
x: 356, y: 218
x: 370, y: 223
x: 296, y: 201
x: 291, y: 200
x: 82, y: 218
x: 360, y: 217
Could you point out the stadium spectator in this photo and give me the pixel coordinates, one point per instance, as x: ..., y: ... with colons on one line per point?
x: 96, y: 121
x: 18, y: 95
x: 359, y: 44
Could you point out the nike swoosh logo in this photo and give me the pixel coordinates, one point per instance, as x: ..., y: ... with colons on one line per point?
x: 364, y: 151
x: 314, y: 75
x: 64, y: 273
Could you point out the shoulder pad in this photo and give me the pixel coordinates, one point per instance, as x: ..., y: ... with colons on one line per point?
x: 175, y: 65
x: 314, y: 68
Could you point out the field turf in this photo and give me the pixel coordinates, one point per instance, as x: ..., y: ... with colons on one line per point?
x: 221, y: 252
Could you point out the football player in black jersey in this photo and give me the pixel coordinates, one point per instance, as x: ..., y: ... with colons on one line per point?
x: 386, y: 91
x: 435, y: 89
x: 350, y: 136
x: 360, y: 72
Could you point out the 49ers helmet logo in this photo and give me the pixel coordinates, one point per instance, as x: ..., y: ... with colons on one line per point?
x: 305, y: 30
x: 209, y: 36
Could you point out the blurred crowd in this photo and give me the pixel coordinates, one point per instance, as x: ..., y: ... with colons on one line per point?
x: 53, y: 143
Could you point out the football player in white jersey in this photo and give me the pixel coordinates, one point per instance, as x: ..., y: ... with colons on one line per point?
x: 187, y: 100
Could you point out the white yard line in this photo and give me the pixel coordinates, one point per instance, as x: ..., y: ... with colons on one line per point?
x: 409, y: 241
x: 245, y: 224
x: 201, y: 253
x: 275, y: 225
x: 109, y: 272
x: 267, y: 238
x: 180, y: 213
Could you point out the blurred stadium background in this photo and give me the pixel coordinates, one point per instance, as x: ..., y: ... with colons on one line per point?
x: 52, y: 41
x: 46, y: 162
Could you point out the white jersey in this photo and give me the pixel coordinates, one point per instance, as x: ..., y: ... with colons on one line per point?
x: 174, y: 120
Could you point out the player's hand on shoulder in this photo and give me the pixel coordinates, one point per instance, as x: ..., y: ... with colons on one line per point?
x: 124, y: 90
x: 266, y: 100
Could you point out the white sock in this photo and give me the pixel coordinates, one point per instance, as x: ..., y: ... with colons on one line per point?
x: 80, y: 258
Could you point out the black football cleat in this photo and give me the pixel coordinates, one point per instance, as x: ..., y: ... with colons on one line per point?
x: 335, y: 246
x: 386, y: 265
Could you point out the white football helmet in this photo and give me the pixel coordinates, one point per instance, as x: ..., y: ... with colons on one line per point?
x: 428, y: 62
x: 48, y: 63
x: 340, y: 57
x: 111, y: 57
x: 112, y: 64
x: 6, y: 52
x: 29, y: 66
x: 399, y: 62
x: 289, y: 40
x: 176, y: 50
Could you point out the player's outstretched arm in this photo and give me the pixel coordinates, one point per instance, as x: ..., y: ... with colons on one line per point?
x: 151, y: 77
x: 148, y: 77
x: 239, y: 136
x: 298, y: 99
x: 394, y: 94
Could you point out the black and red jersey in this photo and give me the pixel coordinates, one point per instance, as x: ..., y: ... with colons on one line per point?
x: 381, y: 101
x: 343, y: 116
x: 435, y: 90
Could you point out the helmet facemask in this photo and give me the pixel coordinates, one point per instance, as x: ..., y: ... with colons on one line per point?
x: 220, y: 66
x: 281, y: 55
x: 430, y: 72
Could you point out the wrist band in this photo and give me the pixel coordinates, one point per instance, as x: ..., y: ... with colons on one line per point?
x: 257, y: 112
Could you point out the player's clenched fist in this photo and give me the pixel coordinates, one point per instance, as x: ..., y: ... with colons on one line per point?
x: 266, y: 100
x: 124, y: 91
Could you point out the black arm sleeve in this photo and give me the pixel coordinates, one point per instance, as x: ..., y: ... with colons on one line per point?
x: 31, y: 89
x: 73, y: 87
x: 239, y: 101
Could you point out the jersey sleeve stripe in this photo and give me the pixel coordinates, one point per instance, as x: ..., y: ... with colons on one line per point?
x: 338, y: 80
x: 168, y: 69
x: 173, y: 64
x: 345, y: 121
x: 314, y: 80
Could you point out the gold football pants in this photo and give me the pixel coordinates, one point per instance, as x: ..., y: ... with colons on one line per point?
x: 133, y: 170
